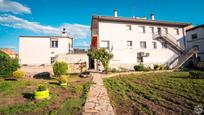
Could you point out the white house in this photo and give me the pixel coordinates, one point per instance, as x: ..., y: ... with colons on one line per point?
x: 195, y: 38
x: 41, y: 50
x: 140, y: 40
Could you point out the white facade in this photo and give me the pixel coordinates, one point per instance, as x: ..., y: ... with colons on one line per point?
x: 122, y: 39
x: 38, y: 50
x: 195, y: 38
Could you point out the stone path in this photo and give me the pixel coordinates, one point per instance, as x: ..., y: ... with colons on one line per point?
x: 98, y: 102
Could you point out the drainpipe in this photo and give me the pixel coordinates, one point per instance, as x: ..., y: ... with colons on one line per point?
x: 184, y: 38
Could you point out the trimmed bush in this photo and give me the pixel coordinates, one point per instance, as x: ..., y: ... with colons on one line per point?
x: 18, y: 74
x: 197, y: 74
x: 7, y: 64
x: 113, y: 70
x: 140, y: 67
x: 156, y: 67
x: 41, y: 88
x: 63, y: 79
x: 60, y: 68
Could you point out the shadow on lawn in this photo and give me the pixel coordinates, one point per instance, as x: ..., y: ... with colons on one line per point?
x: 54, y: 83
x: 183, y: 77
x: 28, y: 95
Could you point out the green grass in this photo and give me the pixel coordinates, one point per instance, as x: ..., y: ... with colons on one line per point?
x: 155, y: 92
x: 28, y: 107
x: 76, y: 91
x: 73, y: 105
x: 8, y: 88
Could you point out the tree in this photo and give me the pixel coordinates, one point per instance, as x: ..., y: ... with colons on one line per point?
x: 102, y: 55
x: 7, y: 64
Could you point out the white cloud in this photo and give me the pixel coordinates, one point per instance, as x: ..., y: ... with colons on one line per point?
x: 73, y: 30
x: 15, y: 22
x: 14, y: 7
x: 82, y: 44
x: 77, y: 30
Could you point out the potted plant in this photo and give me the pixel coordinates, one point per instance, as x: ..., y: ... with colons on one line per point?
x: 41, y: 93
x: 63, y: 80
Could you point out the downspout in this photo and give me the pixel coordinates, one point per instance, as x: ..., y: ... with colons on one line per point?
x: 184, y: 38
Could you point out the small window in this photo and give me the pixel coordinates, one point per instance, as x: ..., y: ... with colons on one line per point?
x: 54, y: 43
x: 129, y: 43
x: 164, y: 45
x: 152, y: 29
x: 154, y: 45
x: 143, y: 45
x: 129, y: 27
x: 159, y: 30
x: 52, y: 60
x: 194, y: 36
x: 177, y: 31
x: 105, y: 44
x: 166, y: 30
x: 142, y: 29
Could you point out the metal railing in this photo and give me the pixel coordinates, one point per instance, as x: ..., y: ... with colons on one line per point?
x: 169, y: 38
x: 185, y: 56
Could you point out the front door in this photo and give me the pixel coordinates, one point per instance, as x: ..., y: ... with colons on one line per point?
x: 91, y: 63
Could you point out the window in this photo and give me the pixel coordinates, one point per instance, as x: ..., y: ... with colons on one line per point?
x: 105, y: 44
x: 129, y: 27
x: 166, y: 30
x: 159, y: 30
x: 142, y: 29
x: 52, y: 60
x: 194, y: 36
x: 164, y: 45
x: 154, y: 45
x: 177, y: 31
x: 152, y: 29
x: 54, y: 43
x: 143, y: 45
x: 196, y: 46
x: 129, y: 43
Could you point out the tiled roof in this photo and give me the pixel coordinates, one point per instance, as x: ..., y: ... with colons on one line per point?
x: 8, y: 51
x: 143, y: 21
x: 200, y: 26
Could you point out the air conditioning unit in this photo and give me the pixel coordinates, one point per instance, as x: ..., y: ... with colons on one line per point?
x: 147, y: 54
x: 140, y: 54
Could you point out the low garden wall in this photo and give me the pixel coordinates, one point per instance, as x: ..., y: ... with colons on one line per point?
x: 34, y: 70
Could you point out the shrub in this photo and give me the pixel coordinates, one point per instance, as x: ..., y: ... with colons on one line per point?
x: 60, y: 68
x: 196, y: 74
x: 63, y: 79
x: 42, y: 88
x: 113, y: 70
x: 122, y: 69
x: 162, y: 67
x: 156, y: 67
x: 7, y: 64
x: 140, y: 67
x: 18, y: 74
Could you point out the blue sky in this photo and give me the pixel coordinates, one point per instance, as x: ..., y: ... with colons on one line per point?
x: 46, y: 17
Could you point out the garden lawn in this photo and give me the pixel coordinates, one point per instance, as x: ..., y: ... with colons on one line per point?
x: 166, y: 93
x: 16, y: 97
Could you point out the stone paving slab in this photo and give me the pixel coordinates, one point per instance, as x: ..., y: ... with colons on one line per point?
x: 98, y: 102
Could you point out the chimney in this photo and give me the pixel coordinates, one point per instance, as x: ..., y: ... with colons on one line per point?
x: 64, y: 33
x: 115, y: 13
x: 152, y: 16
